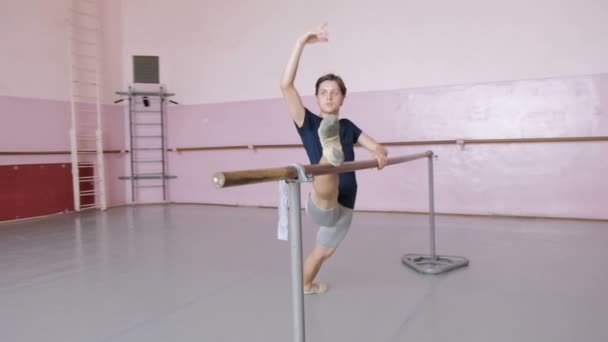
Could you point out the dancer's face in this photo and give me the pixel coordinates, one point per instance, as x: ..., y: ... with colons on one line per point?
x: 329, y: 97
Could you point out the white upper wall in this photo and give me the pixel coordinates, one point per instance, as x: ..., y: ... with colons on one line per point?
x: 216, y: 51
x: 230, y: 50
x: 34, y: 57
x: 34, y: 62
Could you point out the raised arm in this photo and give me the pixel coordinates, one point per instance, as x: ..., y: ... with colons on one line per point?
x: 290, y: 93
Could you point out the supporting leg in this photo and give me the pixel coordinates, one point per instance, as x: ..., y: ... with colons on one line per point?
x: 312, y: 265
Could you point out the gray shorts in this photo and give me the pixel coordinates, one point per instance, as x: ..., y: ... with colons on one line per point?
x: 333, y: 223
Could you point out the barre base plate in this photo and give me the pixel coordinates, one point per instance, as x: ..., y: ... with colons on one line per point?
x: 429, y: 265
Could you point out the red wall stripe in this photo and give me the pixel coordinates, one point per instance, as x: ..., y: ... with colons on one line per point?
x: 37, y: 189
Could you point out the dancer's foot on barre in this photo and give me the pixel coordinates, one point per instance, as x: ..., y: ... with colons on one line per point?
x: 329, y: 134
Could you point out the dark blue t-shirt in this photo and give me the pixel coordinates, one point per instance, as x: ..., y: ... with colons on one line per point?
x: 349, y: 134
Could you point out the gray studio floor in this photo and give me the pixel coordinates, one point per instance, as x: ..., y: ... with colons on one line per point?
x: 205, y: 273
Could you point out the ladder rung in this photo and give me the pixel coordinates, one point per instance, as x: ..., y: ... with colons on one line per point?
x: 87, y: 137
x: 84, y: 14
x: 155, y: 94
x: 92, y: 181
x: 147, y: 149
x: 86, y: 152
x: 146, y: 124
x: 83, y: 28
x: 147, y: 136
x: 83, y: 42
x: 85, y: 56
x: 88, y: 206
x: 148, y: 186
x: 86, y: 69
x: 148, y: 176
x: 146, y: 111
x: 88, y: 179
x: 85, y: 131
x: 88, y: 192
x: 85, y: 83
x: 147, y: 161
x: 85, y: 163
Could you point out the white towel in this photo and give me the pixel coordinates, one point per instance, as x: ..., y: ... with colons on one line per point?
x: 282, y: 226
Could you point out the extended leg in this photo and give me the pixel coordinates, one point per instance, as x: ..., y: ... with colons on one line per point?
x: 325, y: 187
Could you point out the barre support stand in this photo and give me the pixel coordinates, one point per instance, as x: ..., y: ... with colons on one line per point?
x: 433, y: 264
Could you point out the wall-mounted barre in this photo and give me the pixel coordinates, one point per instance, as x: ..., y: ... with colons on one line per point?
x: 35, y: 153
x: 459, y: 142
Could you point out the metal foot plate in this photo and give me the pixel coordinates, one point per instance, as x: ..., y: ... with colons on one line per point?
x: 429, y: 265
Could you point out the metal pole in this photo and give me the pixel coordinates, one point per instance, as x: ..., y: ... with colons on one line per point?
x: 295, y: 238
x: 433, y: 263
x: 431, y: 207
x: 131, y: 131
x: 162, y: 141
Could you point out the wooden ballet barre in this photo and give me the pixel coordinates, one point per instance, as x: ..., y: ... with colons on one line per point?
x: 244, y: 177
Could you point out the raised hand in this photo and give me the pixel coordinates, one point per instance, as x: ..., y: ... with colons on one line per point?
x: 317, y: 35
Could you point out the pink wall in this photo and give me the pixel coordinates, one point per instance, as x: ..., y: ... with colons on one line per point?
x: 34, y: 89
x: 543, y: 179
x: 32, y: 125
x: 223, y: 60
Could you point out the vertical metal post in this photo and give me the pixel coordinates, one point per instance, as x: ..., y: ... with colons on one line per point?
x: 162, y: 141
x: 131, y: 129
x: 295, y: 239
x: 433, y: 263
x: 431, y: 207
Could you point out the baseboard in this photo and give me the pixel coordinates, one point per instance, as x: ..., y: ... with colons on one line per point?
x: 31, y: 218
x: 526, y: 217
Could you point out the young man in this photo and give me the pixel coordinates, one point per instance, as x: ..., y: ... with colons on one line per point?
x: 327, y: 140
